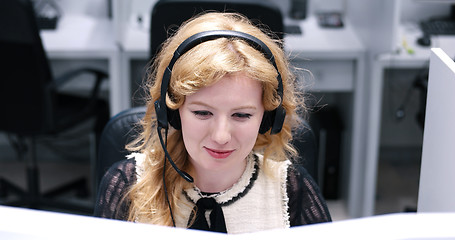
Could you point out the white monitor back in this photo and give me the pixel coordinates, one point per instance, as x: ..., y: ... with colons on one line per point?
x: 437, y: 175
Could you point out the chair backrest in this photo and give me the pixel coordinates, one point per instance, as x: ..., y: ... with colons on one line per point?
x: 168, y: 15
x: 25, y: 90
x: 119, y: 131
x: 123, y: 127
x: 305, y: 142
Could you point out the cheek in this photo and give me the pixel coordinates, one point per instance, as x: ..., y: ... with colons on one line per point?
x: 190, y: 127
x: 248, y: 138
x: 248, y: 133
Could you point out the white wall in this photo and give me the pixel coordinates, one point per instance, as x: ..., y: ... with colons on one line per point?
x: 95, y: 8
x: 416, y: 10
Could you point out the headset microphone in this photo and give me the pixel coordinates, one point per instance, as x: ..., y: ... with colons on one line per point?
x: 182, y: 173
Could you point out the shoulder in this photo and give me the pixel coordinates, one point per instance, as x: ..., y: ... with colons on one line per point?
x: 306, y: 203
x: 299, y: 181
x: 121, y: 173
x: 125, y: 168
x: 297, y: 173
x: 110, y: 201
x: 132, y: 164
x: 270, y: 166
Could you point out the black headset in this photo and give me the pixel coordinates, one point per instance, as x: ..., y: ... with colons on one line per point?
x: 271, y: 120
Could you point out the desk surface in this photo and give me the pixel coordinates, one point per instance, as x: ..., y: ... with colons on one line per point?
x: 327, y: 43
x: 408, y: 34
x: 19, y: 223
x: 314, y: 42
x: 80, y: 36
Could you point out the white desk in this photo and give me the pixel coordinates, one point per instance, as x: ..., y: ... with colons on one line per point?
x: 21, y: 223
x: 382, y: 227
x: 402, y: 60
x: 80, y: 37
x: 335, y: 57
x: 17, y: 223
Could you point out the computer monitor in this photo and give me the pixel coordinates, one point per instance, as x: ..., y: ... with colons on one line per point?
x: 437, y: 175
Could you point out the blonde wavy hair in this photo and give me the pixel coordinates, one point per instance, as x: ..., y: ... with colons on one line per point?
x: 202, y: 66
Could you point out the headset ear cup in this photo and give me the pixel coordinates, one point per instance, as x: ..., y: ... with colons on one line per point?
x: 161, y: 114
x: 278, y: 120
x: 273, y: 120
x: 267, y: 121
x: 174, y: 118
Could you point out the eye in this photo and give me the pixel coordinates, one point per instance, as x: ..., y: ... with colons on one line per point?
x: 202, y: 114
x: 242, y: 115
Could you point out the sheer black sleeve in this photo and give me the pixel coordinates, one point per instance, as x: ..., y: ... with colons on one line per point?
x: 306, y: 203
x: 110, y: 201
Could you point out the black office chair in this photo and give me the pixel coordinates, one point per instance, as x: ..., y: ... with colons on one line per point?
x: 168, y: 15
x: 119, y: 131
x: 124, y: 127
x: 305, y: 142
x: 32, y: 106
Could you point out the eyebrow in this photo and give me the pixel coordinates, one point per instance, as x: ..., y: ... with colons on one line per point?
x: 208, y: 106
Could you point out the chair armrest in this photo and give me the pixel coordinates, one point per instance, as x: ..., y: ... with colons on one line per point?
x: 61, y: 80
x: 99, y: 75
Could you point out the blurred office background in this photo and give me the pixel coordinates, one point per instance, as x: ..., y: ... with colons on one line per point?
x: 372, y: 31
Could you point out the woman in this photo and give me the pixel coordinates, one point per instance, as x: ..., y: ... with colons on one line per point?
x: 231, y: 103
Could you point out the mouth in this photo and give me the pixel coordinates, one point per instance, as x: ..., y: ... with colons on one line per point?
x: 219, y: 154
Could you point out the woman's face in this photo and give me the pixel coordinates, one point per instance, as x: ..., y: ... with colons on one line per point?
x: 220, y: 124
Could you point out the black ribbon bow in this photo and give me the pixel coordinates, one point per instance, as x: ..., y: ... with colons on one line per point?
x: 217, y: 223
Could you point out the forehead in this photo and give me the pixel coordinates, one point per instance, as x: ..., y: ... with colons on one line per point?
x: 237, y: 89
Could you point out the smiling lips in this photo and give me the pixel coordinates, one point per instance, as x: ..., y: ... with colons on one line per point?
x: 219, y: 153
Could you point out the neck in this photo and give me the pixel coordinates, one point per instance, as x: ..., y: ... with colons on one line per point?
x: 217, y: 181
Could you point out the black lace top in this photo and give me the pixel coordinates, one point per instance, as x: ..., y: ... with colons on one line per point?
x: 306, y: 204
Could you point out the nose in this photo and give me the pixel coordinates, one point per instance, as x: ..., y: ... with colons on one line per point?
x: 221, y: 131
